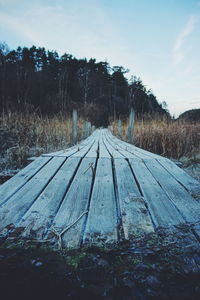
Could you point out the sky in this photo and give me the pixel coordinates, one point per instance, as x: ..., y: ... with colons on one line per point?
x: 157, y: 40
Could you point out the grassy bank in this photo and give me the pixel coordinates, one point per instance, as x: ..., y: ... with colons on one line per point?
x: 30, y: 134
x: 169, y: 138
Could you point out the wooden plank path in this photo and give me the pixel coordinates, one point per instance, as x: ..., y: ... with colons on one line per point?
x: 102, y: 190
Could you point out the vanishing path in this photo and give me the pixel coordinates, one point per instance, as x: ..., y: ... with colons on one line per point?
x: 102, y: 190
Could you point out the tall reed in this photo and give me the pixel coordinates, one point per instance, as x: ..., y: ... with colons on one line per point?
x: 29, y: 134
x: 163, y: 136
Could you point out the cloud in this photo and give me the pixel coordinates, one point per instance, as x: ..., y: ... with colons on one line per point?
x: 178, y: 51
x: 67, y: 28
x: 19, y: 28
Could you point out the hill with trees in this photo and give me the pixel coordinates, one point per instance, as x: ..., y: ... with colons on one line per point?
x: 192, y: 115
x: 39, y: 79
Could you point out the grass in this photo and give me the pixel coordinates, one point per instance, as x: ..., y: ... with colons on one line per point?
x: 169, y: 138
x: 29, y: 134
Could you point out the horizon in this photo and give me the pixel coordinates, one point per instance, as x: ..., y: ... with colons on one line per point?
x: 165, y: 57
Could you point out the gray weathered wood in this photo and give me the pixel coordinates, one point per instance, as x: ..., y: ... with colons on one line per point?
x: 98, y: 191
x: 103, y: 151
x: 112, y: 149
x: 130, y: 127
x: 16, y: 206
x: 118, y: 149
x: 119, y: 128
x: 21, y: 178
x: 181, y: 176
x: 41, y: 214
x: 102, y: 217
x: 134, y: 214
x: 74, y: 126
x: 163, y: 212
x: 187, y: 206
x: 74, y: 204
x: 69, y: 151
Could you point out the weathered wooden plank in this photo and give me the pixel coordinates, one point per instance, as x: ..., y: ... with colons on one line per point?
x: 95, y: 146
x: 16, y: 206
x: 163, y: 212
x: 134, y: 214
x: 41, y: 214
x: 113, y: 150
x: 102, y: 218
x: 128, y: 150
x: 74, y: 204
x: 15, y: 183
x: 71, y: 150
x: 141, y: 153
x: 82, y: 152
x: 131, y: 126
x: 181, y: 176
x: 103, y: 151
x: 188, y: 206
x: 117, y: 150
x: 74, y: 126
x: 119, y: 128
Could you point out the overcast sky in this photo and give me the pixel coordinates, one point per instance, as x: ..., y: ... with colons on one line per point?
x: 157, y: 40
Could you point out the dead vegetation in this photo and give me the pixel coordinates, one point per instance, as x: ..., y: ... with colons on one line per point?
x: 163, y: 136
x: 25, y: 135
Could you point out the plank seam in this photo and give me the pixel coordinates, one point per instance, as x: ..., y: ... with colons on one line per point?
x: 68, y: 187
x: 187, y: 190
x: 121, y: 235
x: 166, y: 193
x: 18, y: 189
x: 90, y: 196
x: 19, y: 219
x: 142, y: 193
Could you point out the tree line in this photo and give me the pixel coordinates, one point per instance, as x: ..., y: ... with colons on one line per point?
x: 38, y: 79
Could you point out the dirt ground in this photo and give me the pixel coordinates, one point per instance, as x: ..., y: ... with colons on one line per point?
x: 163, y: 266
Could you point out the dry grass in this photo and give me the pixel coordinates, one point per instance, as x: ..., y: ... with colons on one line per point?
x: 172, y: 139
x: 29, y: 134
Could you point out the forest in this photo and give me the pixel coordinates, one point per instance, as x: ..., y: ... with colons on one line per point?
x: 36, y: 79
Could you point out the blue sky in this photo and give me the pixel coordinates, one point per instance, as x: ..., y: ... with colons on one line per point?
x: 157, y: 40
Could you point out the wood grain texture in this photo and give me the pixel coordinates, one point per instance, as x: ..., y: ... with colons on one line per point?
x: 99, y: 191
x: 16, y: 206
x: 42, y: 213
x: 163, y: 212
x: 134, y: 213
x: 21, y: 178
x: 74, y: 204
x: 102, y: 217
x: 182, y: 177
x: 185, y: 203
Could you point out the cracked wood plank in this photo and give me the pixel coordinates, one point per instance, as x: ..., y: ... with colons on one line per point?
x: 134, y: 213
x: 102, y: 217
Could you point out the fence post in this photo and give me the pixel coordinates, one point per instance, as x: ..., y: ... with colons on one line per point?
x: 85, y: 130
x: 131, y: 126
x: 119, y: 128
x: 89, y: 128
x: 74, y: 126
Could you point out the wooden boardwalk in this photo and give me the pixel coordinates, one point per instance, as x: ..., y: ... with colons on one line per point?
x: 102, y: 190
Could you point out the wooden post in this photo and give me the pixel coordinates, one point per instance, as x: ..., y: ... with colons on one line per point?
x: 74, y: 126
x: 119, y: 128
x: 85, y: 130
x: 131, y: 126
x: 89, y: 128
